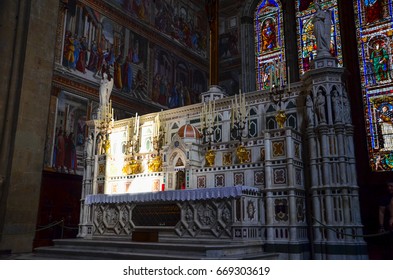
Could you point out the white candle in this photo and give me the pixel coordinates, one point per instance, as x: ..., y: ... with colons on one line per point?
x: 236, y: 102
x: 289, y: 79
x: 215, y: 115
x: 159, y: 124
x: 240, y: 107
x: 243, y: 107
x: 211, y: 114
x: 280, y: 73
x: 156, y: 125
x: 137, y: 127
x: 203, y: 116
x: 271, y: 78
x: 135, y: 123
x: 232, y: 121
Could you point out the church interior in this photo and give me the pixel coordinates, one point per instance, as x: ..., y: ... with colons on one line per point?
x: 257, y: 128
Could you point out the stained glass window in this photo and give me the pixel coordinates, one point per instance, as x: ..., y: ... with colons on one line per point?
x: 307, y: 47
x: 375, y: 32
x: 269, y: 44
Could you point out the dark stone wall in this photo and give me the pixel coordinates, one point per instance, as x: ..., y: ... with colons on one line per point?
x: 28, y: 35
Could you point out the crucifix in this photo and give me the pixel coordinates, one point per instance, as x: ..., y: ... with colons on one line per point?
x: 211, y: 7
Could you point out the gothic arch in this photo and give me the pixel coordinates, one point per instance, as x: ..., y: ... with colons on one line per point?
x: 249, y: 8
x: 176, y: 156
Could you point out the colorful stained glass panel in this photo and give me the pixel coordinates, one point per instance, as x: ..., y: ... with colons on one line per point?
x: 269, y: 44
x: 307, y: 47
x: 375, y: 35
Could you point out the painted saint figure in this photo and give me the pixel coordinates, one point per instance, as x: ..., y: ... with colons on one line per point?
x: 69, y: 49
x: 60, y: 151
x: 127, y: 75
x: 81, y: 63
x: 268, y: 35
x: 385, y: 122
x: 379, y: 58
x: 70, y: 159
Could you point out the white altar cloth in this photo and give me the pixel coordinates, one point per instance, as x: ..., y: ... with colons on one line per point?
x: 175, y: 195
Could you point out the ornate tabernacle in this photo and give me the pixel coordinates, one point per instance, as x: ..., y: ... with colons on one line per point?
x: 228, y: 169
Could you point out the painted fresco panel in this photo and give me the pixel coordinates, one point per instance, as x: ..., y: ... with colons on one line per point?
x: 181, y: 21
x: 143, y: 71
x: 65, y: 145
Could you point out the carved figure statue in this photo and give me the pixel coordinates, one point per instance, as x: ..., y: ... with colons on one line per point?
x: 322, y: 29
x: 88, y: 147
x: 100, y: 148
x: 337, y: 106
x: 106, y: 86
x: 346, y: 108
x: 310, y: 111
x: 320, y: 105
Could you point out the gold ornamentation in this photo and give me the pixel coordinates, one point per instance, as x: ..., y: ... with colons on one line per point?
x: 281, y: 118
x: 155, y: 164
x: 132, y: 167
x: 227, y: 158
x: 101, y: 169
x: 242, y: 153
x: 278, y: 148
x: 107, y: 145
x: 210, y: 157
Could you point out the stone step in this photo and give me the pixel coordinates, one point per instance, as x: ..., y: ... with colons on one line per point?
x: 107, y: 249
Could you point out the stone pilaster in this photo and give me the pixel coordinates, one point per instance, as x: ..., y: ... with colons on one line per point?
x: 25, y: 87
x: 248, y: 53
